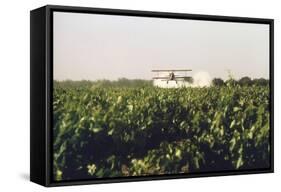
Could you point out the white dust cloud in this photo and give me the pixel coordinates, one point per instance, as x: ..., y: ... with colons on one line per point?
x: 202, y: 79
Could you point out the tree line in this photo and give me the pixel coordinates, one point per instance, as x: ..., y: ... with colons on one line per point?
x: 244, y: 81
x: 133, y: 83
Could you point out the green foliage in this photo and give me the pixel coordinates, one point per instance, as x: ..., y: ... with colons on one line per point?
x: 245, y: 81
x: 114, y: 132
x: 217, y: 82
x: 261, y: 82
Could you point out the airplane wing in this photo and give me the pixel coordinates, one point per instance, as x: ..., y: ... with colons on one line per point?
x: 160, y: 77
x: 170, y: 70
x: 182, y: 77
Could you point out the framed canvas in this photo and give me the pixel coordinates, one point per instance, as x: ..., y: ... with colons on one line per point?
x: 125, y: 95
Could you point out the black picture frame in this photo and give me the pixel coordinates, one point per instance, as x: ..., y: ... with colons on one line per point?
x: 41, y: 85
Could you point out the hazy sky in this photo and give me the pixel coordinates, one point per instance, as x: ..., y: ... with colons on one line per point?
x: 91, y: 47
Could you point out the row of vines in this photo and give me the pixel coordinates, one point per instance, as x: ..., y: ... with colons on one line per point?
x: 116, y: 132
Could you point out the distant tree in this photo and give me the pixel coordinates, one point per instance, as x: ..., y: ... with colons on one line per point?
x: 217, y: 82
x: 260, y: 82
x: 245, y: 81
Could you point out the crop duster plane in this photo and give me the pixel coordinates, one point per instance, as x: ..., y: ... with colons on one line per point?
x: 172, y: 75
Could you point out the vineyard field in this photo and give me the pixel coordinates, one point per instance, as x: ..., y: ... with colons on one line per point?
x: 102, y: 132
